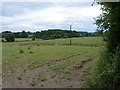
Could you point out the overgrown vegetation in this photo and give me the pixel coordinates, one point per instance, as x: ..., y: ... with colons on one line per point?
x: 108, y: 67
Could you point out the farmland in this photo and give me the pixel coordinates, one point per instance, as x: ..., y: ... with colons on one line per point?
x: 49, y: 63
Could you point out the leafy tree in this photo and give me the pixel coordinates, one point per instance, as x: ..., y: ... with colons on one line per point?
x: 4, y: 33
x: 109, y: 21
x: 56, y: 33
x: 9, y: 37
x: 17, y: 34
x: 98, y: 33
x: 24, y: 34
x: 108, y: 70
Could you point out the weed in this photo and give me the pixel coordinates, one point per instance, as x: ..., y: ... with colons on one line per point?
x: 43, y: 79
x: 33, y: 83
x: 28, y: 47
x: 24, y: 70
x: 21, y: 51
x: 69, y: 78
x: 67, y: 72
x: 13, y: 71
x: 32, y: 66
x: 40, y: 65
x: 30, y: 52
x: 41, y: 74
x: 53, y: 76
x: 19, y: 78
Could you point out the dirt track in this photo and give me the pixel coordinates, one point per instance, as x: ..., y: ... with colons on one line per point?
x: 45, y: 77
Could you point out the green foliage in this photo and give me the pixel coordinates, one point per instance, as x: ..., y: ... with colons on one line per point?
x: 33, y: 83
x: 2, y: 40
x: 33, y: 39
x: 56, y: 33
x: 30, y: 52
x: 9, y: 37
x: 53, y: 76
x: 19, y: 78
x: 4, y: 33
x: 24, y: 34
x: 28, y: 48
x: 98, y: 33
x: 21, y: 51
x: 109, y: 22
x: 51, y: 34
x: 108, y: 69
x: 43, y: 79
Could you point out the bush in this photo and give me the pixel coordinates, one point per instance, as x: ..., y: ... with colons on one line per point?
x: 33, y: 39
x: 2, y: 40
x: 10, y: 37
x: 108, y: 71
x: 21, y: 51
x: 33, y: 83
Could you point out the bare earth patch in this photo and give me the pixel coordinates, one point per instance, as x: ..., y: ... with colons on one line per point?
x: 41, y: 76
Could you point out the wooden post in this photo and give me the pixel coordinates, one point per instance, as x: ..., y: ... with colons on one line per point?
x: 70, y: 36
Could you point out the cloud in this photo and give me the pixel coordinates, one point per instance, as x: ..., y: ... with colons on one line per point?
x: 55, y: 16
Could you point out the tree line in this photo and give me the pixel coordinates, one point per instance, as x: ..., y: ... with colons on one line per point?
x: 47, y: 34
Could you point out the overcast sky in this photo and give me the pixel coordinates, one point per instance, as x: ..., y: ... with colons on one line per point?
x: 36, y: 16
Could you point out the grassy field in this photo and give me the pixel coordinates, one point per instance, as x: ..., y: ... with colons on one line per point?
x: 52, y: 59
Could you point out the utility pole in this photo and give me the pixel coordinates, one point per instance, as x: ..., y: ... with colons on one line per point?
x: 70, y: 35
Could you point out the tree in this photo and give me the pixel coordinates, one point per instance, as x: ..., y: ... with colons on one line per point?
x: 24, y: 34
x: 109, y: 21
x: 9, y: 37
x: 17, y: 34
x: 108, y: 69
x: 4, y: 33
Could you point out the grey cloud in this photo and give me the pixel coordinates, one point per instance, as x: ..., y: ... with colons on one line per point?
x: 19, y: 12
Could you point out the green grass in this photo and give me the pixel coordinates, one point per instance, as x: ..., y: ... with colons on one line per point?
x: 82, y: 41
x: 24, y: 51
x: 29, y: 55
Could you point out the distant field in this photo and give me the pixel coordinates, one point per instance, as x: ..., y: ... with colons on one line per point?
x: 51, y: 56
x: 81, y: 41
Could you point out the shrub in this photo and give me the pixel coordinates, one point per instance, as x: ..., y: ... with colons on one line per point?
x: 28, y: 47
x: 21, y: 51
x: 10, y: 37
x: 33, y: 83
x: 43, y: 79
x: 33, y: 39
x: 108, y: 71
x: 2, y: 40
x: 19, y: 78
x: 30, y: 52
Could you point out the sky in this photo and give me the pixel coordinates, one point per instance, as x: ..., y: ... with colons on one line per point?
x: 37, y: 16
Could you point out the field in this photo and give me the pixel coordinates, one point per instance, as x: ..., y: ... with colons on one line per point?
x: 49, y: 63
